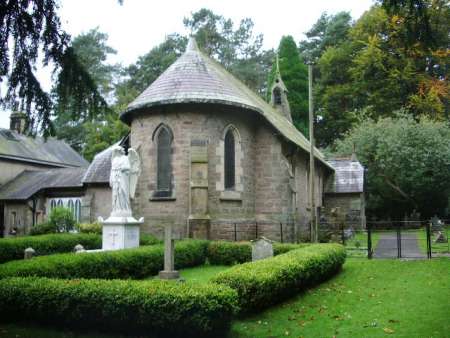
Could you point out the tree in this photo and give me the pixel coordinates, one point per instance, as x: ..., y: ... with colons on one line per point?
x: 238, y: 50
x: 295, y: 77
x: 148, y: 67
x: 375, y: 69
x: 407, y: 161
x: 33, y: 26
x: 328, y: 31
x: 71, y: 112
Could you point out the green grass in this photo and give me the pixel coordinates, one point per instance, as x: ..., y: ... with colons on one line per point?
x: 369, y: 298
x: 202, y: 274
x: 360, y: 237
x: 376, y: 298
x: 435, y: 247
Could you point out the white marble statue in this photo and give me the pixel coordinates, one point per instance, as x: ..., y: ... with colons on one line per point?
x: 125, y: 171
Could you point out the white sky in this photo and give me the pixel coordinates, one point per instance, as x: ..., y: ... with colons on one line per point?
x: 138, y: 25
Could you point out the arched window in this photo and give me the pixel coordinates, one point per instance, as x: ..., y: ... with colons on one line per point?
x: 60, y: 203
x: 164, y: 165
x: 52, y: 204
x: 78, y: 210
x: 277, y: 96
x: 71, y: 206
x: 229, y: 160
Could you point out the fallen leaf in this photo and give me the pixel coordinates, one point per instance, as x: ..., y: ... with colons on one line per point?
x: 394, y: 321
x: 388, y: 330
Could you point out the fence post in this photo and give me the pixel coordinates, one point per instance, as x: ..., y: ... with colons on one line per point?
x: 342, y: 234
x: 399, y: 242
x: 428, y: 229
x: 235, y: 233
x: 256, y: 230
x: 281, y: 231
x: 369, y: 242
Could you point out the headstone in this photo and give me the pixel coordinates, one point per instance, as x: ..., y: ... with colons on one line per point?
x: 262, y: 248
x: 29, y: 253
x: 440, y: 238
x: 79, y: 248
x: 169, y: 256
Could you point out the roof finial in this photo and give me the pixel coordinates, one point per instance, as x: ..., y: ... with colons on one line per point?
x: 278, y: 65
x: 192, y: 44
x: 354, y: 158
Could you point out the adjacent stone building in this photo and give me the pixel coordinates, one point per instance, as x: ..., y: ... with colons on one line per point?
x: 218, y: 162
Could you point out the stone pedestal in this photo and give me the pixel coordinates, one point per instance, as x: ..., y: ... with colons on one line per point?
x: 169, y: 256
x: 120, y: 232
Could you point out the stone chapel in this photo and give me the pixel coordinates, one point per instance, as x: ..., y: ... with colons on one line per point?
x: 215, y: 157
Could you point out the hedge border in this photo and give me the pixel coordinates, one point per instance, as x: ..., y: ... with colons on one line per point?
x: 13, y: 248
x: 266, y: 282
x: 120, y: 306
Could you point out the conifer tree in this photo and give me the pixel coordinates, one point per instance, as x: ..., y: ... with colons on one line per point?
x: 294, y: 73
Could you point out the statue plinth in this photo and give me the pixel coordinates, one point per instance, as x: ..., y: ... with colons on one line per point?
x: 120, y: 232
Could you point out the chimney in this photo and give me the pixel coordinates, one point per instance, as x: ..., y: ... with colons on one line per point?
x: 18, y: 122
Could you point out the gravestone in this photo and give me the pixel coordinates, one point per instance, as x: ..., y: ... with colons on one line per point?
x: 440, y: 238
x: 262, y: 248
x: 79, y: 248
x: 29, y: 253
x: 169, y: 256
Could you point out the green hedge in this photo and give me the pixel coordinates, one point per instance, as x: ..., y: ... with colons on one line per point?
x: 265, y: 282
x: 230, y: 253
x: 13, y: 248
x: 161, y: 307
x: 129, y: 263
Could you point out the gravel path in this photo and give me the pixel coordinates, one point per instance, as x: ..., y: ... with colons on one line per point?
x: 387, y: 246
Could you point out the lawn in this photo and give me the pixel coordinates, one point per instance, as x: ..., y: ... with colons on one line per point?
x: 369, y: 298
x: 357, y: 245
x: 435, y: 247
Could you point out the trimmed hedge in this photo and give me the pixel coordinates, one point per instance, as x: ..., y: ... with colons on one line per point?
x: 13, y: 248
x: 265, y: 282
x: 129, y: 263
x: 161, y: 307
x: 230, y: 253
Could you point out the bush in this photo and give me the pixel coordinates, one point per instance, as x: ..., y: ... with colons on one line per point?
x: 62, y: 219
x: 43, y: 228
x: 90, y: 228
x: 12, y: 248
x: 147, y: 239
x: 231, y: 253
x: 129, y: 263
x: 161, y: 307
x: 268, y: 281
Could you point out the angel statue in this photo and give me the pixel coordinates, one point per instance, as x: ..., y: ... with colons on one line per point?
x: 125, y: 171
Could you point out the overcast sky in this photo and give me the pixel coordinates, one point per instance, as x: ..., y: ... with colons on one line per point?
x: 138, y: 25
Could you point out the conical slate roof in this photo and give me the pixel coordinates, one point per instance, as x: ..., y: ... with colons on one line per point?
x: 195, y: 78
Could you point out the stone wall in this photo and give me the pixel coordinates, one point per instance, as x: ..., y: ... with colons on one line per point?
x: 96, y: 202
x: 347, y: 207
x: 264, y: 184
x: 17, y: 215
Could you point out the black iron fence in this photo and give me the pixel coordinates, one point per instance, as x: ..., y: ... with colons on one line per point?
x: 379, y: 239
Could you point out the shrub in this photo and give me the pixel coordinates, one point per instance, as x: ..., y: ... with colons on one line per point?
x: 161, y: 307
x: 62, y: 219
x: 268, y: 281
x: 90, y: 228
x: 230, y: 253
x: 43, y: 228
x: 147, y: 239
x: 129, y: 263
x: 12, y: 248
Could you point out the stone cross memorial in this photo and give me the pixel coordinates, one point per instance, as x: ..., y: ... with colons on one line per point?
x: 121, y: 230
x: 169, y: 256
x: 262, y: 248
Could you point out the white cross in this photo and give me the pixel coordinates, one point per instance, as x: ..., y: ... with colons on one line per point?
x: 113, y: 234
